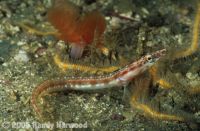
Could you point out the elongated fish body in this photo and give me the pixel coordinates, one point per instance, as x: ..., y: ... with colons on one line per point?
x: 118, y: 78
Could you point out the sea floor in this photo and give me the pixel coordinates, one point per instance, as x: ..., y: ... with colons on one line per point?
x: 140, y: 27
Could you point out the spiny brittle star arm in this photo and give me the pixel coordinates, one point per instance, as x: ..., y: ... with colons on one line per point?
x: 93, y: 70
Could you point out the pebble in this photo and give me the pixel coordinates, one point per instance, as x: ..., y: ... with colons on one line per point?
x: 115, y: 22
x: 191, y: 76
x: 20, y: 43
x: 22, y: 56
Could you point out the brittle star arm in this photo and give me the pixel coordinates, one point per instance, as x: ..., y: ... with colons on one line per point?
x: 68, y: 66
x: 180, y: 54
x: 141, y: 88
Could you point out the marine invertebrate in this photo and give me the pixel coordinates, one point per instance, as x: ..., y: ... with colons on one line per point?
x: 116, y: 79
x: 180, y: 53
x: 134, y: 100
x: 77, y: 29
x: 195, y: 38
x: 155, y: 71
x: 140, y: 92
x: 156, y: 77
x: 32, y: 30
x: 93, y: 70
x: 194, y: 90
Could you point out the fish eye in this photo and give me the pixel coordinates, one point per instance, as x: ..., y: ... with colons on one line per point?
x: 149, y: 58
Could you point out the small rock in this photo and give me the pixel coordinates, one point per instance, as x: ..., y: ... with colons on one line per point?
x: 115, y: 22
x: 22, y: 56
x: 5, y: 64
x: 191, y: 76
x: 20, y: 43
x: 1, y: 60
x: 117, y: 117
